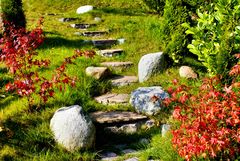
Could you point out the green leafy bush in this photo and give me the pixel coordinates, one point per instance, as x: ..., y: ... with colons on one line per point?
x: 12, y: 11
x: 156, y: 5
x: 173, y: 37
x: 216, y: 37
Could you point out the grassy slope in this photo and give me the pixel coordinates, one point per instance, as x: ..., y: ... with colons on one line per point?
x: 27, y: 135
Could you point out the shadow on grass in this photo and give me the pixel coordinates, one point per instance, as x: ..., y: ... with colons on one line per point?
x: 122, y: 11
x: 51, y: 42
x: 23, y: 135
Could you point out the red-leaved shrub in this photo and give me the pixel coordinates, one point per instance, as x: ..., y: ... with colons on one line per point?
x: 18, y: 52
x: 209, y: 121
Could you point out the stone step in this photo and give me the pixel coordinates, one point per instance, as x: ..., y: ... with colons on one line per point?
x: 104, y: 42
x: 103, y: 117
x: 67, y: 19
x: 94, y: 33
x: 123, y: 80
x: 82, y: 26
x: 117, y: 64
x: 110, y: 52
x: 113, y: 99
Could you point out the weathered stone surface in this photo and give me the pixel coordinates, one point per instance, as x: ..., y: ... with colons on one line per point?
x: 84, y: 9
x: 124, y: 129
x: 150, y: 64
x: 108, y: 156
x: 165, y: 129
x: 82, y: 26
x: 150, y: 123
x: 72, y: 129
x: 97, y: 19
x: 113, y: 99
x: 121, y: 41
x: 117, y: 64
x: 144, y: 141
x: 116, y: 116
x: 103, y: 43
x: 67, y: 19
x: 94, y: 33
x: 97, y: 72
x: 123, y: 80
x: 132, y: 159
x: 148, y: 100
x: 187, y: 72
x: 128, y: 151
x: 110, y: 52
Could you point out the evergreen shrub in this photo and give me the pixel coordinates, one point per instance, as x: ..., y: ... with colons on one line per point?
x: 12, y: 11
x: 156, y: 5
x: 173, y: 37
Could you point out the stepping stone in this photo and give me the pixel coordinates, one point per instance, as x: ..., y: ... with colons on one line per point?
x: 128, y: 151
x: 116, y: 117
x: 132, y: 159
x: 117, y: 64
x: 94, y: 33
x: 110, y: 52
x: 67, y: 19
x: 113, y: 99
x: 107, y: 42
x: 108, y: 156
x: 123, y: 80
x: 82, y: 26
x: 97, y: 72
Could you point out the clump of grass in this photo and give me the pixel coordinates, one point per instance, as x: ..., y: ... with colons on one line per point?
x: 161, y: 148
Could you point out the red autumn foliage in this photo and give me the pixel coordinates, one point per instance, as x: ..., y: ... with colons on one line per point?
x: 18, y: 52
x: 209, y: 120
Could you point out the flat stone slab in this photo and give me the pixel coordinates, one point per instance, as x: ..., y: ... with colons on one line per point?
x: 124, y: 80
x: 132, y: 159
x: 67, y: 19
x: 115, y: 116
x: 82, y: 26
x: 117, y: 64
x: 106, y: 42
x: 110, y: 52
x: 94, y: 33
x: 113, y: 99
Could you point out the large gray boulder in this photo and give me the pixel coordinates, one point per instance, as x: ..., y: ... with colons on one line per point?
x: 148, y: 100
x: 72, y: 129
x: 150, y: 64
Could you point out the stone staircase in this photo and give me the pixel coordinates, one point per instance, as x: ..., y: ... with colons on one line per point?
x: 112, y: 121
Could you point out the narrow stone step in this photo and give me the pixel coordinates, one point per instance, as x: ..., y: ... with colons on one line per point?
x: 124, y: 80
x: 82, y: 26
x: 67, y: 19
x: 103, y: 117
x: 113, y: 99
x: 110, y: 52
x: 94, y: 33
x: 117, y: 64
x: 106, y: 42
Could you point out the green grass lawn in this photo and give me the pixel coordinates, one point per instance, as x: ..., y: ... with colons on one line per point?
x: 26, y: 135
